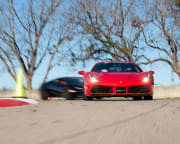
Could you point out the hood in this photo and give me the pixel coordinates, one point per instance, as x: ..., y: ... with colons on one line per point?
x: 120, y: 77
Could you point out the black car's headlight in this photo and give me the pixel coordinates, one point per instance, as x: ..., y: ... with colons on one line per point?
x: 92, y: 78
x: 146, y: 78
x: 78, y: 88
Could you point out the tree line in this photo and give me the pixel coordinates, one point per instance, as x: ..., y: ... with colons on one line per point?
x: 141, y: 31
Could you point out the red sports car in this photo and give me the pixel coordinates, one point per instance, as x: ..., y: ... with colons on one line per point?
x: 117, y: 79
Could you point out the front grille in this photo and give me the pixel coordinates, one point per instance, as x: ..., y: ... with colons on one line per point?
x: 138, y: 89
x: 121, y: 90
x: 101, y: 89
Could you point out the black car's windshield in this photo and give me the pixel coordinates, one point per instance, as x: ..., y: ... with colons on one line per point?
x: 116, y: 67
x: 74, y: 80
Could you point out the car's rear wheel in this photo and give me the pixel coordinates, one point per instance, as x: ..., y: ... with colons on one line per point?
x: 44, y: 95
x: 137, y: 98
x: 68, y: 96
x: 148, y: 97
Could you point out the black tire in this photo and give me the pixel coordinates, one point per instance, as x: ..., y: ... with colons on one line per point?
x: 68, y: 96
x: 44, y: 95
x: 99, y: 98
x: 148, y: 97
x: 87, y: 98
x: 137, y: 98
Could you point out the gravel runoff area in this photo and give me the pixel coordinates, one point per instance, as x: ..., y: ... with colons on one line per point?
x: 113, y: 121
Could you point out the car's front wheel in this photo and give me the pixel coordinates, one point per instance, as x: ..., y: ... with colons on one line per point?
x: 137, y: 98
x: 148, y: 97
x: 99, y: 98
x: 87, y: 97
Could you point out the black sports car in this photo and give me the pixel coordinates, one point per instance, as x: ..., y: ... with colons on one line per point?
x: 67, y: 87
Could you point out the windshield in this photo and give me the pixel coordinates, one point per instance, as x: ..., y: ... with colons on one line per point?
x: 74, y: 80
x: 116, y: 67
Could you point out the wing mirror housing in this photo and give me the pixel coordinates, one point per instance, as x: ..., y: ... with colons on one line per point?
x: 151, y: 72
x: 81, y: 72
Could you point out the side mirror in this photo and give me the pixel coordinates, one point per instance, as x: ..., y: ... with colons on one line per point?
x: 151, y: 72
x: 81, y: 72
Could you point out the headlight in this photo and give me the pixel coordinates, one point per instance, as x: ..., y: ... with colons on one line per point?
x: 92, y: 78
x: 146, y: 78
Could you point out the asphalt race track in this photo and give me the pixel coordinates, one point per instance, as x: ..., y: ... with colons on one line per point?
x: 92, y: 122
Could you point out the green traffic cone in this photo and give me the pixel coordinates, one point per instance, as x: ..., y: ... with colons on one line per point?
x: 19, y: 91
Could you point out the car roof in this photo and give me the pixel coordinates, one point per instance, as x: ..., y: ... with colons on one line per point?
x: 63, y: 78
x: 115, y: 62
x: 69, y: 77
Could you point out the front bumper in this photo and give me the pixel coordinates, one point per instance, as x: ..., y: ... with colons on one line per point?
x: 111, y: 91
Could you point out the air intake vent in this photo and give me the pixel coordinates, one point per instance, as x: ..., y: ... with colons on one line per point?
x: 138, y: 89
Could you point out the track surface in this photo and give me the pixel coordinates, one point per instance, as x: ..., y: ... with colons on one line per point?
x: 92, y: 122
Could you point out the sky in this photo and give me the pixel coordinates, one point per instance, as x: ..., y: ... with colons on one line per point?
x: 163, y: 74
